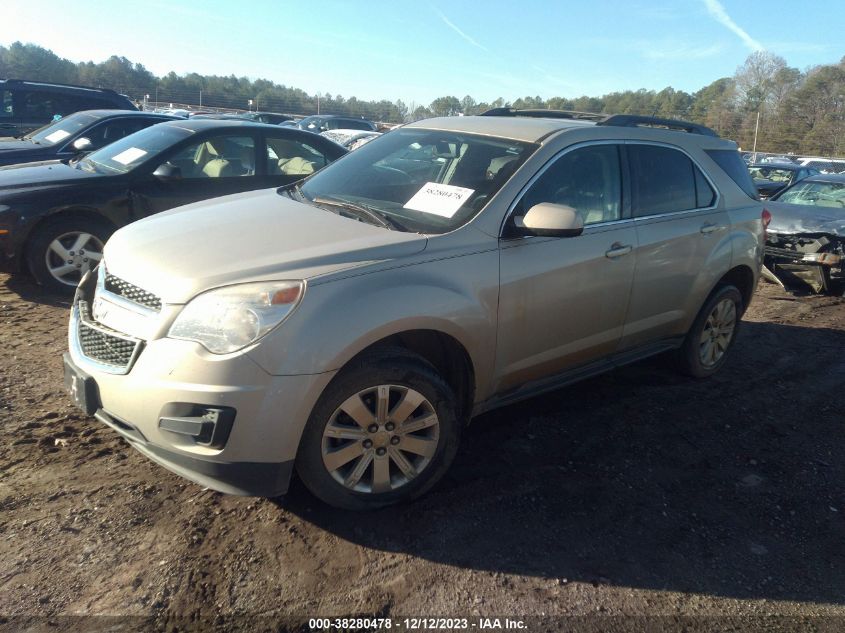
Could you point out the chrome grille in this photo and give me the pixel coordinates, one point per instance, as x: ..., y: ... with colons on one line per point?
x: 104, y: 345
x: 131, y: 292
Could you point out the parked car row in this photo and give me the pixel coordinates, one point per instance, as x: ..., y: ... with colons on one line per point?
x: 344, y: 319
x: 55, y: 216
x: 348, y: 326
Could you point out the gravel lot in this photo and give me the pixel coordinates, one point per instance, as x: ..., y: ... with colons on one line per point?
x: 637, y: 493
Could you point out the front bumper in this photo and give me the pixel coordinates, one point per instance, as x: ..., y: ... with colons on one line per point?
x: 170, y: 379
x: 820, y: 271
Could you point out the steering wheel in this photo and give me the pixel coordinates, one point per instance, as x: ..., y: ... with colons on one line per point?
x: 392, y: 173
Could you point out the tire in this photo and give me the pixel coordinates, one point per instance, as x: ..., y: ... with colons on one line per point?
x: 712, y: 334
x: 64, y: 249
x: 370, y: 464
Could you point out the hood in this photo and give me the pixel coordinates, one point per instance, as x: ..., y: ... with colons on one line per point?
x: 803, y: 218
x: 16, y: 151
x: 254, y: 236
x: 43, y: 174
x: 16, y: 145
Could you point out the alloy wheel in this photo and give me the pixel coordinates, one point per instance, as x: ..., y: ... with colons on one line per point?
x: 71, y: 255
x: 380, y: 439
x: 717, y: 332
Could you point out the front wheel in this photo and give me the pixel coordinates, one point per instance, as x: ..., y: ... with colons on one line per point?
x: 385, y: 431
x: 64, y: 249
x: 712, y: 334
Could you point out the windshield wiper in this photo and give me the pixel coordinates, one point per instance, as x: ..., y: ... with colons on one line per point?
x: 378, y: 218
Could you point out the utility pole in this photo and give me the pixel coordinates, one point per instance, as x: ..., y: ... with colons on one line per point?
x: 756, y: 129
x: 318, y: 103
x: 200, y: 97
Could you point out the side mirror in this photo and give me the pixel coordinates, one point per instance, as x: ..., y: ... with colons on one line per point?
x: 550, y: 220
x: 82, y: 145
x: 168, y: 172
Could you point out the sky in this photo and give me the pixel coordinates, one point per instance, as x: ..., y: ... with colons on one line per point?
x: 419, y: 50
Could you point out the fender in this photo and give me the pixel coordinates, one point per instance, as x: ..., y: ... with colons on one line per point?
x: 351, y: 315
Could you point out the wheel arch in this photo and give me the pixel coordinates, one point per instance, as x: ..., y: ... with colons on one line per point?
x: 743, y: 278
x: 446, y: 354
x: 81, y: 212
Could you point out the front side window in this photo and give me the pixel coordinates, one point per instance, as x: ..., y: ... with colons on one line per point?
x: 426, y: 181
x: 586, y: 179
x: 217, y: 157
x: 37, y: 105
x: 665, y: 180
x: 771, y: 173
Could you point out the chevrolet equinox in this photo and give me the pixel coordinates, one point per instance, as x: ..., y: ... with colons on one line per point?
x: 348, y: 327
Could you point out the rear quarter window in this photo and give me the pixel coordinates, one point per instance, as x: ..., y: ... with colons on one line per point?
x: 732, y: 164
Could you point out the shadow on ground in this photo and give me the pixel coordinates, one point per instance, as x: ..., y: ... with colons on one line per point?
x: 730, y: 486
x: 26, y: 288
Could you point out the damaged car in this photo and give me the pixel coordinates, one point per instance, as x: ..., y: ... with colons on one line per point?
x: 806, y: 237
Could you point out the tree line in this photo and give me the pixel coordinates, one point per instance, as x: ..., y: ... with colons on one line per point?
x: 802, y: 112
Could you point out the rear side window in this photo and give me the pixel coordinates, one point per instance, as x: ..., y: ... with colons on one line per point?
x: 349, y: 124
x: 732, y: 164
x: 665, y: 180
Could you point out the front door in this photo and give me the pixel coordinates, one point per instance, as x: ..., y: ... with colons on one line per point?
x: 562, y: 301
x: 208, y: 168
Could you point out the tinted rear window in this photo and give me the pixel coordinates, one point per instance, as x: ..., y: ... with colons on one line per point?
x: 732, y: 164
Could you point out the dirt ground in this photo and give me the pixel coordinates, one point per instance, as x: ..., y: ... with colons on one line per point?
x: 639, y: 493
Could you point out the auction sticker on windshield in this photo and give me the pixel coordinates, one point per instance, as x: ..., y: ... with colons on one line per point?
x: 442, y: 200
x: 57, y: 136
x: 129, y: 156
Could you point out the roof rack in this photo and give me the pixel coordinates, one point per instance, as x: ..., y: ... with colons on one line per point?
x: 635, y: 120
x: 546, y: 114
x: 60, y: 85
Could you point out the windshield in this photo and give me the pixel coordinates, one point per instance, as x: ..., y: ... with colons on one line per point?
x: 820, y: 194
x: 130, y: 151
x: 60, y: 130
x: 427, y: 181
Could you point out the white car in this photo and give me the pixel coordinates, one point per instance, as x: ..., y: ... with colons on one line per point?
x: 350, y: 139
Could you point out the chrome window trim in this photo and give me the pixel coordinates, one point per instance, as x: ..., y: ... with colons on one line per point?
x: 712, y: 207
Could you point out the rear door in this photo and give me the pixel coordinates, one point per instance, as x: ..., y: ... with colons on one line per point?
x: 562, y: 301
x: 681, y: 249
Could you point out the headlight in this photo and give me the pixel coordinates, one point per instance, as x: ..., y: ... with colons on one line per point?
x: 230, y: 318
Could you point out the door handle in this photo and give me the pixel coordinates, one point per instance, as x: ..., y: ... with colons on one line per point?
x: 618, y: 250
x: 708, y: 228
